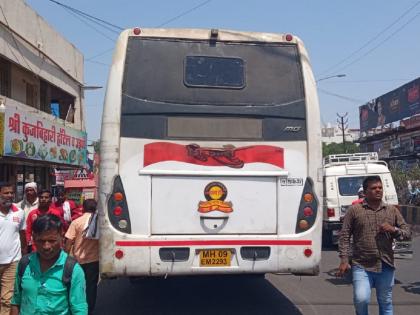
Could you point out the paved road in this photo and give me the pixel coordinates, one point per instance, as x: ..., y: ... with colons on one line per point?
x: 274, y: 294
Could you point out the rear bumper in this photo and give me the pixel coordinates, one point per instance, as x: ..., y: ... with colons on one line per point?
x: 144, y: 257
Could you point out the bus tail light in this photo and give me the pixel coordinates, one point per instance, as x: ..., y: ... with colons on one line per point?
x: 307, y: 252
x: 118, y: 208
x: 118, y: 196
x: 307, y: 212
x: 330, y: 212
x: 119, y: 254
x: 303, y: 225
x: 289, y: 37
x: 136, y: 31
x: 308, y: 208
x: 118, y: 211
x: 308, y: 197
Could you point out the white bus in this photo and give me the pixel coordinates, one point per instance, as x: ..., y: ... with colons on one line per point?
x: 210, y: 151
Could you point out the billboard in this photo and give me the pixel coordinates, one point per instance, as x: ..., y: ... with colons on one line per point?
x: 29, y: 136
x: 393, y: 106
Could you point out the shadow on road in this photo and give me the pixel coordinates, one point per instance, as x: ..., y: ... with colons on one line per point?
x: 413, y: 287
x: 333, y: 279
x: 193, y: 295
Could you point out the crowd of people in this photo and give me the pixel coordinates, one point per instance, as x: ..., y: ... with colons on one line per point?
x: 48, y: 262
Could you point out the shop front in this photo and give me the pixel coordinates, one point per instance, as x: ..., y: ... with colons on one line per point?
x: 33, y: 145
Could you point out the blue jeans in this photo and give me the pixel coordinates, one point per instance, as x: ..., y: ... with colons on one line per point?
x: 364, y: 281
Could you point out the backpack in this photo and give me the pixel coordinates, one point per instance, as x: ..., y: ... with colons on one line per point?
x: 91, y: 229
x: 67, y: 272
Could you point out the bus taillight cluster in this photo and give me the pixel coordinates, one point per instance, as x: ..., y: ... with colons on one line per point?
x: 118, y: 208
x: 307, y: 208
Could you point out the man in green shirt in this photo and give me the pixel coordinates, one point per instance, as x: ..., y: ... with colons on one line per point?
x: 41, y: 289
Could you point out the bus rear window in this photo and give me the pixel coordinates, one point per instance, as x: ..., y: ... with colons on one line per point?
x: 348, y: 186
x: 205, y: 71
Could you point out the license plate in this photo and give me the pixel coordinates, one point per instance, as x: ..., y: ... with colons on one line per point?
x: 215, y: 258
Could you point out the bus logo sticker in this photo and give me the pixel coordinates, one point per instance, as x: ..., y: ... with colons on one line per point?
x: 215, y: 193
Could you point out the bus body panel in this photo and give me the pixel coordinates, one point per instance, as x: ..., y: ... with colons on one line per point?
x: 154, y: 215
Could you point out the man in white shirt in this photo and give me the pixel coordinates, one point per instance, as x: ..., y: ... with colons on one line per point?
x: 30, y: 200
x: 12, y: 244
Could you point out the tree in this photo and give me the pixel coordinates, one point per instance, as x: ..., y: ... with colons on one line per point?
x: 407, y: 184
x: 338, y: 148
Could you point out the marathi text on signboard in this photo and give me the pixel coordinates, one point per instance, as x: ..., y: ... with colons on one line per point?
x: 32, y: 137
x: 391, y: 107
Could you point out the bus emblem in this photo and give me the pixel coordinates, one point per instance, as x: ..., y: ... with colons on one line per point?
x: 215, y: 193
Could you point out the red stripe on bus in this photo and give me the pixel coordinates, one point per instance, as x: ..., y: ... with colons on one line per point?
x: 214, y: 242
x: 156, y: 152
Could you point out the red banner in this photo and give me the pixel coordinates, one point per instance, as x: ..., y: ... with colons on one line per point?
x: 227, y: 155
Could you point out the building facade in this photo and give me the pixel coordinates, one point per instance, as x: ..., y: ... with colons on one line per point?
x: 390, y: 125
x: 42, y: 125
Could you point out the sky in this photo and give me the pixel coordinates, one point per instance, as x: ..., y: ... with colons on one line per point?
x: 375, y: 43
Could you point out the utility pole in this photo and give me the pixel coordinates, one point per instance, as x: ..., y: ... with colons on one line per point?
x: 342, y: 121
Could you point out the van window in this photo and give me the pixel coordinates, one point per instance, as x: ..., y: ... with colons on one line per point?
x: 348, y: 186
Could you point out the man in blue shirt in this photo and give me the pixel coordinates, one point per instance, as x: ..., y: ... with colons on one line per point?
x: 41, y: 289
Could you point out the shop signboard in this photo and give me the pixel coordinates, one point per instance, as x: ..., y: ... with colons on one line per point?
x: 30, y: 136
x: 393, y: 106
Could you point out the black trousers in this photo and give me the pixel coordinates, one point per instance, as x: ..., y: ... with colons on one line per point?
x: 91, y: 271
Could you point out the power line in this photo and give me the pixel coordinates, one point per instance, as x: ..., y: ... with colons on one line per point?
x: 97, y: 62
x: 87, y: 15
x: 100, y: 54
x: 91, y: 26
x: 350, y: 99
x: 372, y: 39
x: 184, y: 13
x: 160, y: 25
x: 365, y: 81
x: 380, y: 43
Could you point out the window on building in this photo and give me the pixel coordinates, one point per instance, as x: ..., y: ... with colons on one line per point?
x: 5, y: 77
x: 30, y: 94
x: 63, y: 101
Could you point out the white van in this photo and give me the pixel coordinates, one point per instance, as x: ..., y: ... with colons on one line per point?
x: 343, y: 175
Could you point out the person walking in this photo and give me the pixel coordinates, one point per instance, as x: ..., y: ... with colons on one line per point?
x: 47, y: 283
x: 30, y: 200
x: 85, y: 250
x: 44, y: 208
x: 12, y: 244
x: 66, y: 207
x: 374, y: 225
